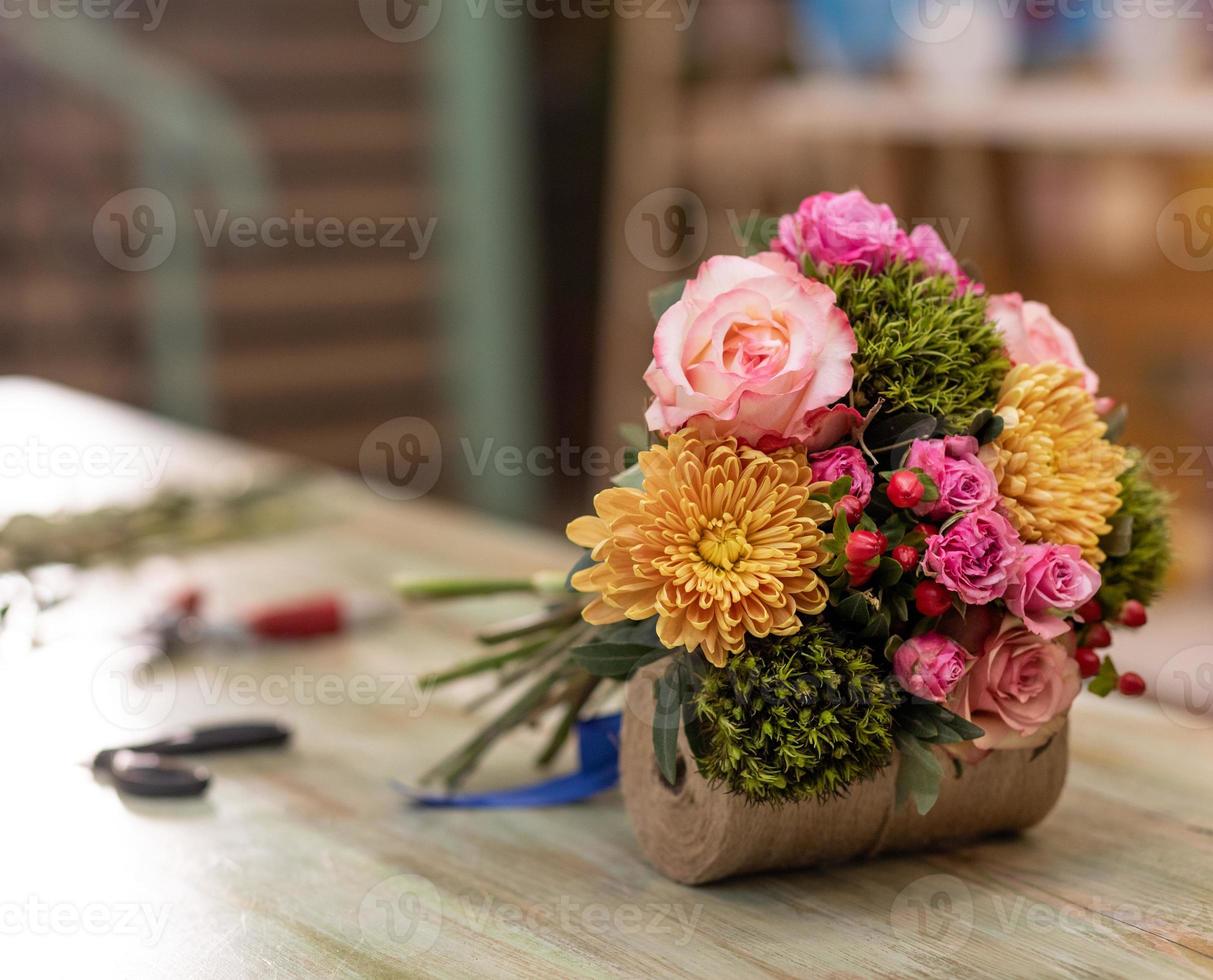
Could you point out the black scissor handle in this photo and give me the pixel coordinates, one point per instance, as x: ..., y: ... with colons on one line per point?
x: 145, y: 774
x: 215, y: 738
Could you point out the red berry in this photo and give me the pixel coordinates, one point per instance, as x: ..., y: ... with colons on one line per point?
x: 906, y: 557
x: 932, y: 599
x: 866, y: 545
x: 1099, y: 637
x: 860, y: 573
x: 928, y: 531
x: 1088, y: 661
x: 852, y: 507
x: 1090, y: 612
x: 905, y: 489
x: 1134, y: 614
x: 1131, y: 685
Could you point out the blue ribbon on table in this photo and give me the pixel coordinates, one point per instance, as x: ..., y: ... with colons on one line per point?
x: 598, y: 770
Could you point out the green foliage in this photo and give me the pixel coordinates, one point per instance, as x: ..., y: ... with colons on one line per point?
x: 794, y: 718
x: 1139, y: 572
x: 922, y: 347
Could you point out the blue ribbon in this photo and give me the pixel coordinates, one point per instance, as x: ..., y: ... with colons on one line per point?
x: 598, y: 770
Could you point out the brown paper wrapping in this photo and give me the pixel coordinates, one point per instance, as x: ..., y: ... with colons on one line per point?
x: 695, y: 834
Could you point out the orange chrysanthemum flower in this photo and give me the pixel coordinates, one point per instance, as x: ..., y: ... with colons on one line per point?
x: 720, y: 544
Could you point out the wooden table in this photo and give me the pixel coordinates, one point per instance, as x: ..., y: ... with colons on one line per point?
x: 305, y: 863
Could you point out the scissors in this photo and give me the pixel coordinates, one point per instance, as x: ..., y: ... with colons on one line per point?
x: 143, y: 770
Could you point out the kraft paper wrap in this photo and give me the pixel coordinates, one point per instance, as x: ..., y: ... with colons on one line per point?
x: 695, y: 834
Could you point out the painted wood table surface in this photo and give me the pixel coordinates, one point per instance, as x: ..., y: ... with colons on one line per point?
x: 305, y: 863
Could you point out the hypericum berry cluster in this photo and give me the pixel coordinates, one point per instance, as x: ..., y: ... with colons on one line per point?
x: 1093, y: 636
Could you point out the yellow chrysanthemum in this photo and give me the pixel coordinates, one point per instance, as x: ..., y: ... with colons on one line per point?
x: 1057, y: 473
x: 720, y: 544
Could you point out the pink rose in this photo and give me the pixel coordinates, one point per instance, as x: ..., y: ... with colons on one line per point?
x: 1050, y: 580
x: 975, y: 557
x: 965, y: 482
x: 844, y: 461
x: 927, y: 247
x: 753, y: 350
x: 841, y: 229
x: 1019, y: 689
x: 1032, y: 335
x: 930, y: 666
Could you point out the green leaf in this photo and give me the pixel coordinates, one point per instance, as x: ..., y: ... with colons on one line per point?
x: 663, y: 297
x: 668, y: 695
x: 632, y: 478
x: 919, y: 774
x: 641, y: 632
x: 856, y: 608
x: 584, y: 562
x: 918, y: 725
x: 889, y: 573
x: 616, y: 660
x: 1119, y: 541
x: 895, y: 431
x: 634, y: 435
x: 1116, y: 421
x: 931, y: 493
x: 965, y: 729
x: 1104, y: 683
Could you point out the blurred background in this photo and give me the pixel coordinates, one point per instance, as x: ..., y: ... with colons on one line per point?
x: 295, y: 222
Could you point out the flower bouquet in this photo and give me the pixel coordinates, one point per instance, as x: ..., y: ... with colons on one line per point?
x: 867, y: 555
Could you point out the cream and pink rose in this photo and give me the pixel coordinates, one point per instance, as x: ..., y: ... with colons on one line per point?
x: 1033, y: 335
x: 753, y: 350
x: 930, y: 666
x: 1019, y: 689
x: 1050, y: 581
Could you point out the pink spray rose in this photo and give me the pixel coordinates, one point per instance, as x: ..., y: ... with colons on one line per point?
x: 1032, y: 335
x: 844, y: 461
x: 965, y: 482
x: 1049, y: 581
x: 930, y: 666
x: 927, y: 247
x: 975, y: 557
x: 753, y: 350
x: 1019, y: 689
x: 841, y: 229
